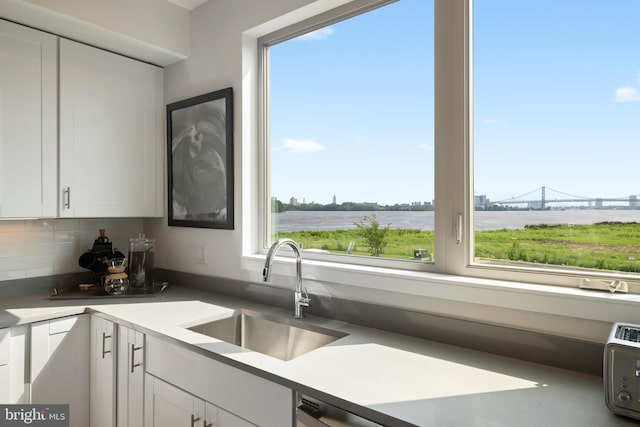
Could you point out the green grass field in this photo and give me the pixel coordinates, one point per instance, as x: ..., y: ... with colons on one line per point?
x: 607, y: 246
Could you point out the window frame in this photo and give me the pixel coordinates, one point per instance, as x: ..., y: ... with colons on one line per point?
x: 321, y: 20
x: 529, y: 273
x: 453, y: 151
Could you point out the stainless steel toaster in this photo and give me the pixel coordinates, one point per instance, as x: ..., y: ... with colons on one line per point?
x: 622, y: 370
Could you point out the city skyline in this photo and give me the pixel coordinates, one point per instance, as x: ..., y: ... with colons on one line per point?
x: 483, y: 199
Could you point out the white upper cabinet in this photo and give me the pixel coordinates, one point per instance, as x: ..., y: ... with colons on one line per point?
x: 111, y: 134
x: 28, y: 122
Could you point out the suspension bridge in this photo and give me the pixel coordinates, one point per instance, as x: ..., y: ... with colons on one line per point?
x: 543, y: 197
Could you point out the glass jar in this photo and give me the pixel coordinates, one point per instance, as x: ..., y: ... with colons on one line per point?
x: 141, y: 261
x: 116, y: 284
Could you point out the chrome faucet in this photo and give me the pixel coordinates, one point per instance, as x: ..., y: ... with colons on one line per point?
x: 299, y: 300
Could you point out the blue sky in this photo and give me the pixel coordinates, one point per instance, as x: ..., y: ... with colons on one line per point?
x: 556, y: 103
x: 557, y: 97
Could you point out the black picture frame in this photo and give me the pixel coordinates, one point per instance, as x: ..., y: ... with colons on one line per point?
x: 200, y: 161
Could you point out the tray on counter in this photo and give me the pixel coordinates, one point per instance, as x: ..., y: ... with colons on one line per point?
x: 77, y: 293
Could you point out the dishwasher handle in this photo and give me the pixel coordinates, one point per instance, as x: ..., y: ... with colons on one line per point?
x: 305, y: 419
x: 314, y: 413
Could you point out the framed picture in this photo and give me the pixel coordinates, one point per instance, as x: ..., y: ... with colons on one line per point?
x: 200, y: 161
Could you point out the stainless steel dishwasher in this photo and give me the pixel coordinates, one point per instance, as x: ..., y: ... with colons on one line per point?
x: 311, y: 412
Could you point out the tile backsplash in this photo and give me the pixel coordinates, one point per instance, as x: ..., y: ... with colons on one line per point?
x: 43, y: 247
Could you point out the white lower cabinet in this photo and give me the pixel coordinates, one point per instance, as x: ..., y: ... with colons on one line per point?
x: 227, y: 419
x: 169, y: 406
x: 60, y: 365
x: 103, y: 373
x: 131, y: 348
x: 117, y: 375
x: 13, y: 354
x: 240, y: 398
x: 4, y: 365
x: 128, y: 379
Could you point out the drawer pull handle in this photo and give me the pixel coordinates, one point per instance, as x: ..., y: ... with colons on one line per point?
x: 133, y: 352
x: 194, y: 419
x: 104, y: 339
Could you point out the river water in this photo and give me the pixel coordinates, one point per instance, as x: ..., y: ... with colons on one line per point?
x: 493, y: 220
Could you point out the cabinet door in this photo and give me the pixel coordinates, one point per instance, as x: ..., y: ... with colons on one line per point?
x: 227, y: 419
x: 243, y: 394
x: 28, y: 122
x: 13, y: 385
x: 111, y: 134
x: 130, y: 377
x: 4, y: 366
x: 169, y: 406
x: 103, y: 373
x: 60, y: 365
x: 4, y: 383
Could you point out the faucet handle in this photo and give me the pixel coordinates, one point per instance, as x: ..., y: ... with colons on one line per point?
x: 305, y: 300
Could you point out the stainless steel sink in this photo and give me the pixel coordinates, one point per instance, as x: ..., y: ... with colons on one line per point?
x: 274, y: 336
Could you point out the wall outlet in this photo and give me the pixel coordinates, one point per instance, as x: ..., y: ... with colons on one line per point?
x: 201, y: 255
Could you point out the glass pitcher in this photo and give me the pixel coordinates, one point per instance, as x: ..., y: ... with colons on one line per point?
x: 141, y: 261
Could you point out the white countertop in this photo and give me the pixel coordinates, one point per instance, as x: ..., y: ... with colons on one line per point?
x: 416, y: 381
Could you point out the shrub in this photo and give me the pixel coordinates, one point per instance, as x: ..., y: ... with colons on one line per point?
x: 374, y: 236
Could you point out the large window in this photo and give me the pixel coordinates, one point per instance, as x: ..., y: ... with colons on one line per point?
x: 492, y: 138
x: 556, y: 133
x: 351, y: 134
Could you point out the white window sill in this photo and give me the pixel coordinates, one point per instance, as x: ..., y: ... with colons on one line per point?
x: 558, y: 310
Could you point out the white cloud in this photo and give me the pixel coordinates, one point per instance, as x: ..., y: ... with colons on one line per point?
x: 425, y: 147
x: 492, y: 123
x: 302, y: 145
x: 320, y: 34
x: 627, y: 93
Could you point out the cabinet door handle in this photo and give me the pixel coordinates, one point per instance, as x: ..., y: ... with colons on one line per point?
x: 104, y: 338
x: 133, y: 352
x: 194, y: 419
x: 66, y: 198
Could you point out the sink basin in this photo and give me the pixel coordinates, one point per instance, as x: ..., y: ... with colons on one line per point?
x: 274, y: 336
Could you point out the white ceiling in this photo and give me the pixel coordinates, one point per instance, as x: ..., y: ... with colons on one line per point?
x: 188, y: 4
